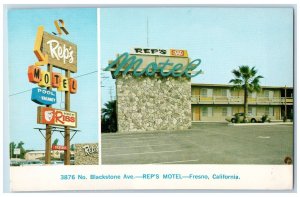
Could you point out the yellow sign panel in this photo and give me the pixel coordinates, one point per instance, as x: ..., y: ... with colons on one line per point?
x: 45, y: 80
x: 63, y: 84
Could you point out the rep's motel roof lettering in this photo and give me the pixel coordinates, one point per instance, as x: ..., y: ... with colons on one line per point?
x: 151, y: 61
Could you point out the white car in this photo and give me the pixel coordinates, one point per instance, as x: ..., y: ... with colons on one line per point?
x: 250, y: 117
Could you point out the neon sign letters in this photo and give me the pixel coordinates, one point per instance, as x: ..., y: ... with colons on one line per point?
x: 124, y: 64
x: 59, y: 52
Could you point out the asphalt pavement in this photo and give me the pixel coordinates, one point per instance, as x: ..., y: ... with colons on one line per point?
x: 205, y: 143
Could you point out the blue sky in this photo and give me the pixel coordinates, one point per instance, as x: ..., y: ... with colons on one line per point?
x: 22, y: 27
x: 223, y: 38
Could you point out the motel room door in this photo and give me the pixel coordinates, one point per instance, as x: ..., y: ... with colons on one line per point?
x: 196, y: 113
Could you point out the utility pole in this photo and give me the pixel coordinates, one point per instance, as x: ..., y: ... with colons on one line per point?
x: 67, y: 154
x: 48, y: 129
x: 285, y: 108
x: 110, y: 93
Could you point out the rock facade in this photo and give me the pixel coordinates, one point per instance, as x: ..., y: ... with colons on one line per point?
x: 86, y: 154
x: 153, y: 103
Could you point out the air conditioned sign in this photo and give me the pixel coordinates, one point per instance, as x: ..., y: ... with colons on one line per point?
x: 43, y: 96
x: 162, y: 52
x: 52, y: 116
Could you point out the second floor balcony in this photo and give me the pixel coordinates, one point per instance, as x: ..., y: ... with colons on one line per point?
x: 197, y: 99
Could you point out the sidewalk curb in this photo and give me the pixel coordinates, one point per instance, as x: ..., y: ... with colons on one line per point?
x: 260, y: 124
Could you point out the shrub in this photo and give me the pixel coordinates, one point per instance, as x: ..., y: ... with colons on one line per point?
x: 264, y: 118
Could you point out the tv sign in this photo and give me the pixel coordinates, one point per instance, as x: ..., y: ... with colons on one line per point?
x: 51, y: 116
x: 43, y: 96
x: 59, y: 147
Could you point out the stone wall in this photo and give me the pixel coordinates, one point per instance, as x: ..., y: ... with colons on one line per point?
x: 153, y: 103
x: 86, y: 154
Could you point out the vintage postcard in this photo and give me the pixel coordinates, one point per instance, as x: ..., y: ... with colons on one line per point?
x: 153, y: 98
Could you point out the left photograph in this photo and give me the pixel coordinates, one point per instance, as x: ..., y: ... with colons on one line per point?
x: 53, y: 86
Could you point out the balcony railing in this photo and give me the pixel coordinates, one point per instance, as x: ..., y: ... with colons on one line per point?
x: 196, y: 99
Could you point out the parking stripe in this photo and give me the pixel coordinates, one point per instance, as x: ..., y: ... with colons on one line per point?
x: 134, y: 138
x: 137, y: 146
x: 143, y: 153
x: 129, y: 142
x: 183, y: 161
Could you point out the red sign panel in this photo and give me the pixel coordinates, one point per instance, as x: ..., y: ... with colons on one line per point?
x: 51, y: 116
x: 177, y: 53
x: 59, y: 147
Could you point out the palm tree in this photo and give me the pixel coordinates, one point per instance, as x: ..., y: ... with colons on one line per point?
x: 246, y: 79
x: 109, y: 117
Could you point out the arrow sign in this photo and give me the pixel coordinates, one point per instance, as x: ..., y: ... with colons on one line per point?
x: 43, y: 96
x: 43, y: 59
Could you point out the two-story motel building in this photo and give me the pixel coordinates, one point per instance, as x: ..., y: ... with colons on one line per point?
x: 214, y: 102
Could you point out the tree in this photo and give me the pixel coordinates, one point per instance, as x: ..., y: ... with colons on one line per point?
x: 246, y: 79
x: 109, y: 117
x: 55, y: 142
x: 72, y: 147
x: 22, y: 150
x: 12, y: 147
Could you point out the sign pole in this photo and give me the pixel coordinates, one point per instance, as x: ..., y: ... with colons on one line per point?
x: 67, y: 155
x: 48, y: 129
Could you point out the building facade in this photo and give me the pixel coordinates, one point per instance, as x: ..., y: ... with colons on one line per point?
x: 215, y: 102
x: 156, y: 99
x: 40, y: 155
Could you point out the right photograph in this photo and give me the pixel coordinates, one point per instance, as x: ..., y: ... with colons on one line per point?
x: 197, y: 85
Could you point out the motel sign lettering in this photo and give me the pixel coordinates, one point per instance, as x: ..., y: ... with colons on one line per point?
x: 160, y: 52
x: 51, y: 116
x: 88, y: 150
x: 126, y: 63
x: 43, y: 96
x: 51, y: 79
x: 59, y: 52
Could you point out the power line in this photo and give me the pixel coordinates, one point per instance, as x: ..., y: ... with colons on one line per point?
x: 73, y: 77
x: 86, y: 74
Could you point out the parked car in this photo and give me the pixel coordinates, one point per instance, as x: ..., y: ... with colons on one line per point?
x: 250, y: 117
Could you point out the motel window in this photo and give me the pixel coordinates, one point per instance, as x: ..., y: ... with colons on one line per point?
x: 268, y: 94
x: 229, y: 111
x: 223, y: 92
x: 224, y: 111
x: 269, y: 111
x: 204, y: 111
x: 210, y: 92
x: 207, y: 111
x: 252, y: 110
x: 204, y: 92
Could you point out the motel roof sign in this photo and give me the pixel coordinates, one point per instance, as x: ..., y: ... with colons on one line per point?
x: 148, y: 62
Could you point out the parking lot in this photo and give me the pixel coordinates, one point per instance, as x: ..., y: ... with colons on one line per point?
x: 205, y: 143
